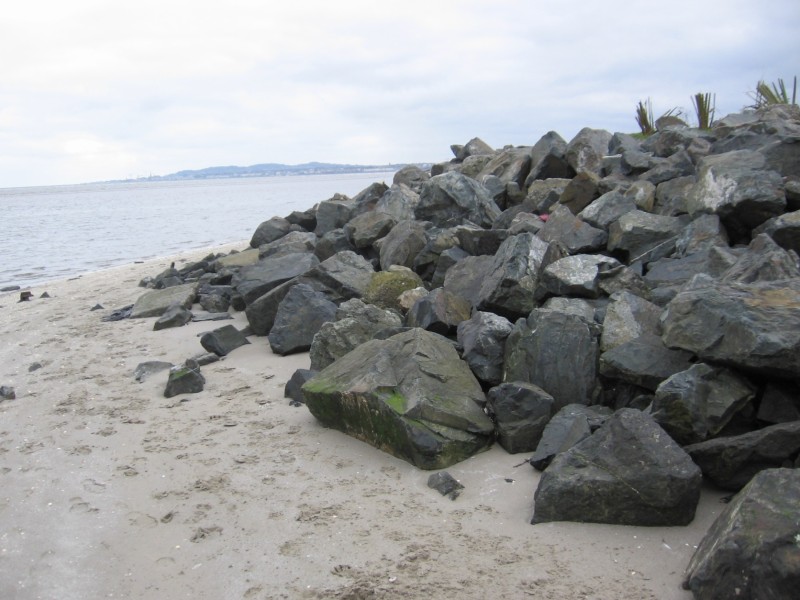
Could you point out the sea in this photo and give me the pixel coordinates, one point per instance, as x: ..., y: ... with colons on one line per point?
x: 59, y: 232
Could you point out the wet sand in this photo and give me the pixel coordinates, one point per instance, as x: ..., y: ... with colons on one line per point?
x: 110, y: 490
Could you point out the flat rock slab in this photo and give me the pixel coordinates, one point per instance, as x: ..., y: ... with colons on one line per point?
x: 156, y: 302
x: 148, y: 368
x: 223, y: 341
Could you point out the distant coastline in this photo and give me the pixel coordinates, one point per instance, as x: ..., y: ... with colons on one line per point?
x: 274, y: 170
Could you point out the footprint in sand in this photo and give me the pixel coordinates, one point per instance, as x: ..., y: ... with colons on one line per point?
x: 140, y: 519
x: 203, y: 533
x: 94, y: 486
x: 79, y: 505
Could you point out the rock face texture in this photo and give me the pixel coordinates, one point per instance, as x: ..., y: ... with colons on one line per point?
x: 753, y: 548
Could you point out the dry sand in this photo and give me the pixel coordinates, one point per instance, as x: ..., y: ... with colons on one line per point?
x: 110, y: 490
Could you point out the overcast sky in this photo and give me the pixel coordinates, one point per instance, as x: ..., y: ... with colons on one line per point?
x: 95, y: 90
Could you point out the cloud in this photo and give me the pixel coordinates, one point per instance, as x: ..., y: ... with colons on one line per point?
x: 158, y: 87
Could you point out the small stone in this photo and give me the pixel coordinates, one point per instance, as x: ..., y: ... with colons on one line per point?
x: 7, y: 392
x: 25, y: 296
x: 97, y: 307
x: 34, y: 366
x: 44, y: 295
x: 445, y: 484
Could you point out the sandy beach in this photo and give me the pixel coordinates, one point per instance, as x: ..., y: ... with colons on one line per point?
x: 110, y: 490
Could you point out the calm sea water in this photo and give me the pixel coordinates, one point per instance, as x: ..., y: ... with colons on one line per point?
x: 62, y: 231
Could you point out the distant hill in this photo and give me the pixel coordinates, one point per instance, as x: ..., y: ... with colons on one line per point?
x: 275, y: 169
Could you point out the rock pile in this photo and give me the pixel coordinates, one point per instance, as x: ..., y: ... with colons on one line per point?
x: 591, y: 301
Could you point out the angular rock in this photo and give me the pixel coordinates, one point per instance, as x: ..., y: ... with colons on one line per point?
x: 333, y: 214
x: 410, y: 395
x: 580, y: 191
x: 292, y: 243
x: 7, y: 392
x: 385, y: 287
x: 696, y: 404
x: 402, y: 244
x: 764, y: 261
x: 739, y: 188
x: 644, y: 361
x: 701, y: 234
x: 637, y: 233
x: 510, y: 165
x: 445, y: 484
x: 785, y: 230
x: 447, y: 259
x: 752, y: 549
x: 345, y: 274
x: 400, y: 200
x: 256, y: 280
x: 678, y: 165
x: 452, y: 198
x: 544, y: 194
x: 586, y: 150
x: 215, y: 298
x: 671, y: 196
x: 175, y: 316
x: 477, y: 241
x: 575, y: 235
x: 576, y: 275
x: 154, y: 303
x: 306, y: 219
x: 439, y: 311
x: 411, y: 176
x: 300, y: 315
x: 780, y: 403
x: 269, y: 231
x: 467, y: 277
x: 607, y: 209
x: 293, y: 388
x: 223, y: 341
x: 333, y: 242
x: 521, y: 410
x: 749, y: 326
x: 629, y: 472
x: 556, y: 351
x: 483, y: 338
x: 368, y: 227
x: 366, y: 200
x: 628, y: 317
x: 356, y: 323
x: 548, y: 160
x: 570, y: 425
x: 475, y: 147
x: 731, y: 462
x: 236, y: 259
x: 261, y: 312
x: 509, y: 286
x: 184, y: 379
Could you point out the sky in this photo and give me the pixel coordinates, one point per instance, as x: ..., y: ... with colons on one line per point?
x: 92, y: 90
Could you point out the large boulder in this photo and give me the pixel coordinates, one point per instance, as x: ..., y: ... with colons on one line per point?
x: 577, y: 275
x: 368, y: 227
x: 400, y: 200
x: 730, y: 462
x: 356, y: 323
x: 409, y: 395
x: 333, y: 214
x: 483, y: 339
x: 750, y: 326
x: 628, y: 317
x: 156, y: 302
x: 467, y: 277
x: 439, y: 311
x: 184, y: 379
x: 521, y: 410
x: 385, y: 287
x: 643, y: 361
x: 571, y: 232
x: 752, y: 550
x: 629, y: 472
x: 300, y: 315
x: 637, y: 234
x: 269, y: 231
x: 570, y: 425
x: 402, y: 244
x: 292, y: 242
x: 256, y: 280
x: 411, y: 176
x: 547, y: 159
x: 223, y: 340
x: 343, y: 276
x: 452, y: 198
x: 586, y: 150
x: 696, y: 404
x: 556, y: 351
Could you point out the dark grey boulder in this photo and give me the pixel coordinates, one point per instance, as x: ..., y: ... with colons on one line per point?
x: 509, y: 165
x: 577, y: 275
x: 570, y: 425
x: 556, y: 351
x: 638, y: 233
x: 184, y: 379
x: 701, y: 234
x: 548, y: 160
x: 410, y: 395
x: 739, y: 188
x: 344, y: 275
x: 293, y: 242
x: 785, y: 230
x: 367, y: 199
x: 215, y: 298
x: 635, y: 162
x: 300, y: 315
x: 368, y: 227
x: 544, y: 194
x: 666, y: 276
x: 696, y: 404
x: 411, y: 176
x: 439, y: 311
x: 752, y: 550
x: 629, y: 472
x: 575, y: 235
x: 402, y: 244
x: 307, y: 219
x: 671, y: 196
x: 586, y: 150
x: 293, y: 388
x: 764, y: 260
x: 145, y: 369
x: 269, y: 231
x: 261, y: 312
x: 452, y: 198
x: 333, y: 242
x: 445, y: 484
x: 520, y: 411
x: 643, y: 194
x: 476, y: 240
x: 175, y: 316
x: 356, y: 323
x: 644, y: 361
x: 466, y: 278
x: 513, y: 277
x: 678, y: 165
x: 780, y: 403
x: 386, y: 287
x: 223, y: 341
x: 730, y: 462
x: 400, y: 201
x: 333, y: 214
x: 607, y: 209
x: 471, y: 166
x: 475, y: 147
x: 256, y: 280
x: 7, y: 392
x: 628, y: 317
x: 483, y: 338
x: 426, y: 262
x: 447, y: 259
x: 753, y: 326
x: 580, y: 191
x: 155, y: 302
x: 623, y: 278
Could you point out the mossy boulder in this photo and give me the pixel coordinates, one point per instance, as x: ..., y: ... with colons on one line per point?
x: 409, y: 395
x: 385, y: 287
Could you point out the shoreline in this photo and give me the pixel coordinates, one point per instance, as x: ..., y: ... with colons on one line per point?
x: 112, y: 490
